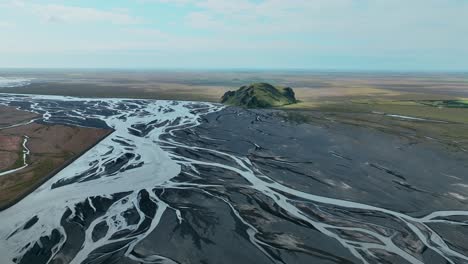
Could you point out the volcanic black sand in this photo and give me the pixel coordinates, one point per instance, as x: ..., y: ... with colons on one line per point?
x: 181, y: 182
x: 338, y: 161
x: 335, y: 160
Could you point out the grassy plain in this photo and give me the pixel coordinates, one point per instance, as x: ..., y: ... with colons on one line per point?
x: 412, y: 115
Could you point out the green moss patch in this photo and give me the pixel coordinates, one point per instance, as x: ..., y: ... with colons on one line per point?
x: 447, y: 103
x: 260, y: 95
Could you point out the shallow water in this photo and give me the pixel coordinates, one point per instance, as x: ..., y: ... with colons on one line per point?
x: 13, y: 82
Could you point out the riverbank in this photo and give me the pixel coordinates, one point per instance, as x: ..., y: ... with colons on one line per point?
x: 32, y: 153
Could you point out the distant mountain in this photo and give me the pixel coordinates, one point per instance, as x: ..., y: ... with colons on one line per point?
x: 259, y: 95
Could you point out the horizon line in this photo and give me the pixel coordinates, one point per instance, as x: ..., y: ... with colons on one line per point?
x: 235, y: 69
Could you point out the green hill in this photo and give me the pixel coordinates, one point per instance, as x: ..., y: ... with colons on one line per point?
x: 259, y: 95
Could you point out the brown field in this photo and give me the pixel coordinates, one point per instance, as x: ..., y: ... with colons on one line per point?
x: 51, y: 146
x: 10, y: 116
x: 10, y: 146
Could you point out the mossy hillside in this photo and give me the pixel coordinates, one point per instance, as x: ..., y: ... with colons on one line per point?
x: 260, y: 95
x: 447, y: 103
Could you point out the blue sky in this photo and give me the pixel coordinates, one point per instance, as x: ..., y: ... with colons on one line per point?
x: 416, y: 35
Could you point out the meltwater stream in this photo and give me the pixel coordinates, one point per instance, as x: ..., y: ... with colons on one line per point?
x: 25, y: 164
x: 113, y: 203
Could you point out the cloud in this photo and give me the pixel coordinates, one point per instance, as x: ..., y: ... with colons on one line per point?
x: 6, y: 25
x: 74, y: 14
x: 177, y: 2
x: 392, y: 29
x: 202, y: 20
x: 372, y: 25
x: 71, y: 14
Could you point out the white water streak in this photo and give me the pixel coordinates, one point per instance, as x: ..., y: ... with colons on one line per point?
x: 26, y: 153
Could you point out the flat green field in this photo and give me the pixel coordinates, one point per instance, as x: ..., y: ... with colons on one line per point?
x: 408, y: 118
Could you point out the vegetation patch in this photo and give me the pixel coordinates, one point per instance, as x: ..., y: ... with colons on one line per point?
x: 447, y: 103
x: 20, y: 160
x: 44, y: 167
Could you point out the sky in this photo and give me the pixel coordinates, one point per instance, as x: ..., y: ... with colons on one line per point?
x: 401, y: 35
